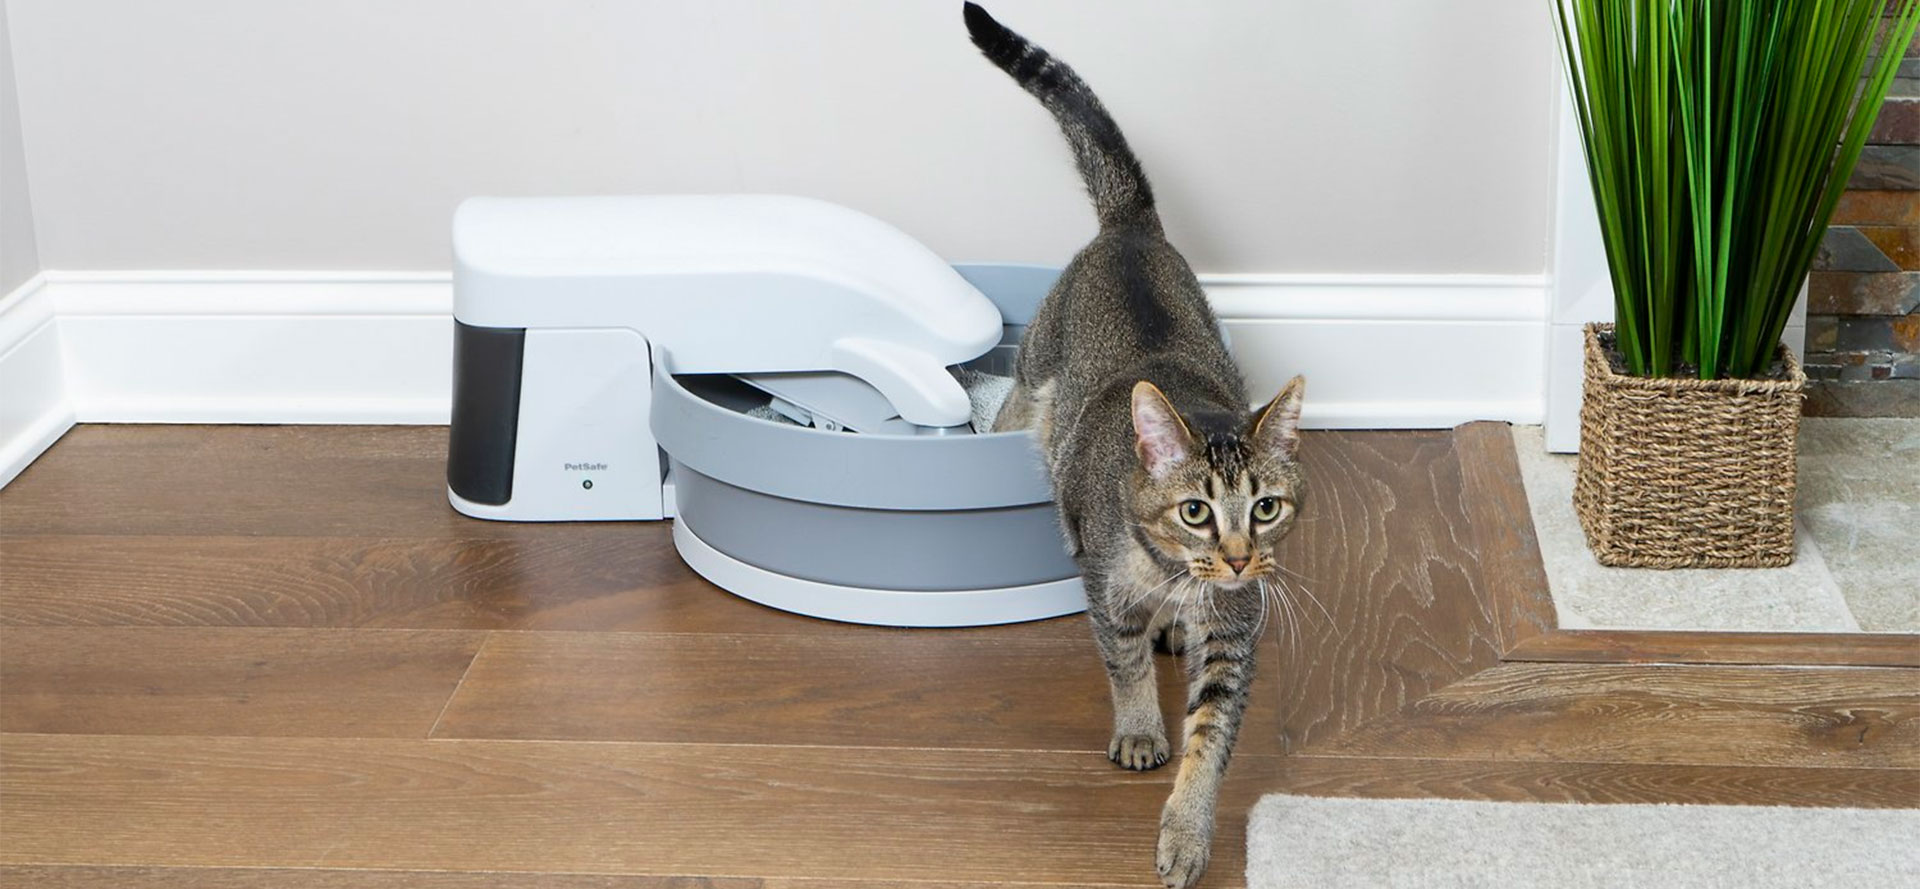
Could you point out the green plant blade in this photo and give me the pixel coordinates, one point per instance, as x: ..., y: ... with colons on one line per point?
x: 1719, y: 136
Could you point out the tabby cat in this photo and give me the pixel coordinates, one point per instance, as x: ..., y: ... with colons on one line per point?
x: 1171, y: 495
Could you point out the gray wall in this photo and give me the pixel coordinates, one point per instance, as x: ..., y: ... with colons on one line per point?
x: 19, y: 256
x: 1283, y: 135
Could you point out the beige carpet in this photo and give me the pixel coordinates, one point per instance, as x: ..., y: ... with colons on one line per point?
x: 1860, y: 500
x: 1313, y: 843
x: 1855, y: 565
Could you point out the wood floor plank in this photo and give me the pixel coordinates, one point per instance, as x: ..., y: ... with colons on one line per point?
x: 242, y: 481
x: 80, y: 877
x: 1671, y: 647
x: 1386, y: 546
x: 1557, y: 782
x: 892, y: 690
x: 1813, y: 717
x: 531, y: 806
x: 423, y: 583
x: 1507, y: 549
x: 290, y: 443
x: 598, y: 576
x: 192, y: 681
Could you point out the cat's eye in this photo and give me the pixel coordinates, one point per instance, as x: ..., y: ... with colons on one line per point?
x: 1266, y: 509
x: 1195, y: 512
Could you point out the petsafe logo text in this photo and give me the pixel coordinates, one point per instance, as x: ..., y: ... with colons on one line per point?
x: 586, y: 467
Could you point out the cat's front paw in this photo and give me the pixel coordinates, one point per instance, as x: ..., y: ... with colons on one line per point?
x: 1182, y: 854
x: 1139, y: 752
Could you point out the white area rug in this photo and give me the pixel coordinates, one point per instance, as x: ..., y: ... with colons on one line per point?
x: 1860, y: 500
x: 1314, y: 843
x: 1856, y: 555
x: 1803, y: 596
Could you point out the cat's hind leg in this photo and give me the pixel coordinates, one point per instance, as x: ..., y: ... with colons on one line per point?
x: 1016, y: 412
x: 1027, y: 407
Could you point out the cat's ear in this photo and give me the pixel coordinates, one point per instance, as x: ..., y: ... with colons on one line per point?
x: 1276, y: 429
x: 1160, y: 437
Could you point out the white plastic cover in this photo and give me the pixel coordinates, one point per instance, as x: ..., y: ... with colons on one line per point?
x: 731, y: 284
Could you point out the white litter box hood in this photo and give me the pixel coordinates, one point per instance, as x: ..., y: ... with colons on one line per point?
x: 732, y: 284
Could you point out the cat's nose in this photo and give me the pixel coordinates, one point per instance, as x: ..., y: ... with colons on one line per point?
x: 1238, y: 563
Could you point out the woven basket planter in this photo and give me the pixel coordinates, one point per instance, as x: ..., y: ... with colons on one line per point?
x: 1686, y: 473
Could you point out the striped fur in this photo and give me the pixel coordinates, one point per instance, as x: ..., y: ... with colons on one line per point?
x: 1114, y: 179
x: 1141, y: 413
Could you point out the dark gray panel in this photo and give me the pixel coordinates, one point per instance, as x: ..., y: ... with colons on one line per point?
x: 486, y: 411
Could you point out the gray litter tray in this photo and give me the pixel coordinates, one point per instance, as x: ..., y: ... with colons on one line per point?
x: 901, y: 528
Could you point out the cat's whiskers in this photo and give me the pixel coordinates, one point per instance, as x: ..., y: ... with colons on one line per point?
x: 1278, y: 609
x: 1288, y: 613
x: 1302, y: 588
x: 1260, y: 625
x: 1295, y: 616
x: 1298, y: 612
x: 1141, y: 598
x: 1267, y: 609
x: 1195, y: 603
x: 1155, y: 617
x: 1207, y: 598
x: 1296, y: 575
x: 1184, y: 572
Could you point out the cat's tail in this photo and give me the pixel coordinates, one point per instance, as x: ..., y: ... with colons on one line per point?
x: 1112, y: 174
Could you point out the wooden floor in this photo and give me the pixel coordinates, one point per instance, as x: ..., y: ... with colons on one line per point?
x: 273, y: 656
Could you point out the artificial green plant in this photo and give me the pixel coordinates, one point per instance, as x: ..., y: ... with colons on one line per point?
x: 1719, y: 135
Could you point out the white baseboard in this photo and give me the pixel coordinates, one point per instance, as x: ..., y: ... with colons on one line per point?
x: 301, y: 347
x: 324, y: 347
x: 1391, y: 352
x: 34, y: 406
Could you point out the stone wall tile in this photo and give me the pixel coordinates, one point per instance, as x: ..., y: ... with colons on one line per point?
x: 1887, y: 166
x: 1878, y: 208
x: 1898, y: 123
x: 1848, y: 293
x: 1905, y: 333
x: 1847, y: 249
x: 1900, y: 243
x: 1864, y: 335
x: 1883, y: 398
x: 1823, y: 332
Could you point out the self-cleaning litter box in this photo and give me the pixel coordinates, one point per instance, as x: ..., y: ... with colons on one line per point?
x: 773, y: 373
